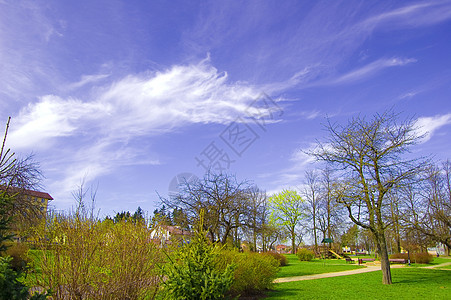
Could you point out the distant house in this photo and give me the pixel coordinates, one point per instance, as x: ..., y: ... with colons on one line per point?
x: 29, y: 204
x: 282, y: 248
x: 166, y: 234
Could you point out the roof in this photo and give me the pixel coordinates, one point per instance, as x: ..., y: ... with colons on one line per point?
x: 176, y: 230
x: 31, y: 193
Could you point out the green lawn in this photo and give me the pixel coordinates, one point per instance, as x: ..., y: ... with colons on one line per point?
x: 408, y: 283
x: 296, y: 267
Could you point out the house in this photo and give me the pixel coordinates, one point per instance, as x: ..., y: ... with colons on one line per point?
x: 282, y: 249
x: 166, y: 234
x: 28, y: 205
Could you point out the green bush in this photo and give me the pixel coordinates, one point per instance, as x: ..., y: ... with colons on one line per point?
x: 280, y: 257
x: 305, y: 254
x: 254, y: 272
x: 10, y: 287
x: 192, y: 272
x: 423, y: 258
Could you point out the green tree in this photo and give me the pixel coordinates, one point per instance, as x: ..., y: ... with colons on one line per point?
x: 5, y: 219
x: 192, y: 272
x: 287, y: 210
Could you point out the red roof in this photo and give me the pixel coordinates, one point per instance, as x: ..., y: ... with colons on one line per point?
x: 29, y: 192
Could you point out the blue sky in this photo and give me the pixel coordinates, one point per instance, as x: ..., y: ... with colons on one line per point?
x: 128, y: 94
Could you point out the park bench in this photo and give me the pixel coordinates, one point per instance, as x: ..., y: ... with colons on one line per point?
x: 397, y: 260
x: 349, y: 260
x: 360, y: 253
x: 361, y: 260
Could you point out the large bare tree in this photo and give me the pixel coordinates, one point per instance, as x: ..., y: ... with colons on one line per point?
x: 369, y: 155
x: 221, y: 198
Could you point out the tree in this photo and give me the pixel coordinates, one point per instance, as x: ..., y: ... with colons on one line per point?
x: 428, y: 207
x: 287, y: 210
x: 193, y: 273
x: 224, y: 200
x: 370, y: 157
x: 16, y: 176
x: 256, y: 217
x: 312, y: 197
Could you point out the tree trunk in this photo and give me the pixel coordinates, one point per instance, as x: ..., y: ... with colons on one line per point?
x: 293, y: 241
x: 381, y: 244
x: 314, y: 233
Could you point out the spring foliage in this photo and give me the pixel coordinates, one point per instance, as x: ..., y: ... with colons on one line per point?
x: 192, y: 272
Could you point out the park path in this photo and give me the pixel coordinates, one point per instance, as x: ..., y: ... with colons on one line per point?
x: 438, y: 266
x: 334, y: 274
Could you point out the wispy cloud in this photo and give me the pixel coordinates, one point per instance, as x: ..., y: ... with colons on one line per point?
x: 371, y: 69
x: 292, y: 176
x: 103, y: 129
x: 412, y: 15
x: 427, y: 126
x: 87, y: 79
x: 137, y: 105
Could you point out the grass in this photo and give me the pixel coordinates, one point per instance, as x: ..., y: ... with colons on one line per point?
x: 408, y: 283
x: 296, y: 267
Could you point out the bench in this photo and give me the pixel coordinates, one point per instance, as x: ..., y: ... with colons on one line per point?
x: 361, y: 260
x: 360, y: 253
x: 397, y: 260
x: 349, y: 260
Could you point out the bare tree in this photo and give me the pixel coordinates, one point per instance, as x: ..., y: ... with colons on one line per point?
x: 17, y: 176
x: 369, y: 155
x: 311, y: 195
x: 428, y: 210
x: 256, y: 217
x: 223, y: 200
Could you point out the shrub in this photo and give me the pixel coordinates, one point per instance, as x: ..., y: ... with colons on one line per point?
x: 399, y: 255
x: 305, y: 254
x: 19, y: 254
x: 280, y: 257
x: 254, y: 272
x: 97, y: 260
x: 10, y: 288
x: 192, y: 273
x: 423, y: 258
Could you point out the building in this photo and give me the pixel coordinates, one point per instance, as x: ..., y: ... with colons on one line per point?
x: 166, y: 234
x: 29, y: 209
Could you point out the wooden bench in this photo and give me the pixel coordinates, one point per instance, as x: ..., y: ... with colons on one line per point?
x: 397, y: 260
x: 361, y: 260
x: 349, y: 260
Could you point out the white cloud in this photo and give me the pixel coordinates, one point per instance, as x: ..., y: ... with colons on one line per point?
x: 292, y: 176
x: 414, y: 15
x: 137, y: 105
x: 51, y: 117
x: 96, y: 136
x: 87, y: 79
x: 428, y: 125
x: 371, y: 69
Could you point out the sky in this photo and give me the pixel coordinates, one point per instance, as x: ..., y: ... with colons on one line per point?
x: 124, y: 96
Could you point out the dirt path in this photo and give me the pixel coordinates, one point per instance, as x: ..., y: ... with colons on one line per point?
x: 438, y: 266
x: 333, y: 274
